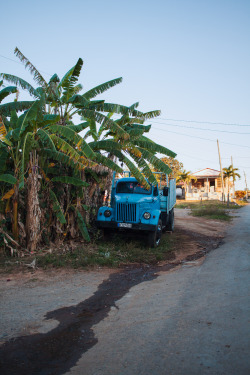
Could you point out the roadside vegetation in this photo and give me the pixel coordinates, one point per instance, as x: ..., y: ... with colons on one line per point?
x: 58, y: 152
x: 119, y: 251
x: 215, y: 210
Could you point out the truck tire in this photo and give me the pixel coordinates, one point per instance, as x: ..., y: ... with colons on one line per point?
x: 154, y: 238
x: 170, y: 225
x: 106, y: 234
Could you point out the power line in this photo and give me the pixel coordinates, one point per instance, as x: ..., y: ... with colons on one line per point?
x: 239, y: 157
x: 17, y: 62
x: 195, y: 158
x: 203, y: 122
x: 193, y: 127
x: 206, y: 139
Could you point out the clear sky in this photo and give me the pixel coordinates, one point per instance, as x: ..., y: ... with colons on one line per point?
x: 188, y: 58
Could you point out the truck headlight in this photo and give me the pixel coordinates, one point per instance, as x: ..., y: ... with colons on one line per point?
x: 147, y: 215
x: 107, y: 213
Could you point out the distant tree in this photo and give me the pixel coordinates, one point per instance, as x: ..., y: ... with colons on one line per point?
x: 175, y: 165
x: 186, y: 177
x: 240, y: 194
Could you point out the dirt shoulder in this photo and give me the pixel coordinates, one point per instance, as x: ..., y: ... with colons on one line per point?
x: 28, y: 295
x: 196, y: 236
x: 199, y: 225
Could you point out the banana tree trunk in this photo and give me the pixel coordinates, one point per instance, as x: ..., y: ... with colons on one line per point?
x: 94, y: 193
x: 109, y: 181
x: 33, y: 219
x: 15, y: 212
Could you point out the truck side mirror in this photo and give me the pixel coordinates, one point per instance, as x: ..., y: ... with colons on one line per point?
x: 155, y: 192
x: 165, y: 191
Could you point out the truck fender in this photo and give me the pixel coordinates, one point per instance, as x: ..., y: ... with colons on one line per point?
x: 100, y: 215
x: 155, y: 216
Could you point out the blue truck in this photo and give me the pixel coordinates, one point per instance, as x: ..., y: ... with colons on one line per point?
x: 134, y: 208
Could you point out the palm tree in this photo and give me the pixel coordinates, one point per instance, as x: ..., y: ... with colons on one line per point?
x: 186, y: 177
x: 228, y: 173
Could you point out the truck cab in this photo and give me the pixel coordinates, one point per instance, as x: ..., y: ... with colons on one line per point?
x: 134, y: 208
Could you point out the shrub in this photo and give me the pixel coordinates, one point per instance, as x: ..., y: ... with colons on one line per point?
x: 240, y: 194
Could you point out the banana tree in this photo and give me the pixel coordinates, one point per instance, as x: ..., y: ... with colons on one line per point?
x: 6, y: 108
x: 62, y: 96
x: 136, y: 147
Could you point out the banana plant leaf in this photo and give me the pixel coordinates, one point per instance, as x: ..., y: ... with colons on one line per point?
x: 82, y: 226
x: 57, y: 208
x: 8, y: 178
x: 7, y: 91
x: 101, y: 88
x: 69, y: 180
x: 7, y: 108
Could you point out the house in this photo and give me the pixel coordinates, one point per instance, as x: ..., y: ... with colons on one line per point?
x: 207, y: 185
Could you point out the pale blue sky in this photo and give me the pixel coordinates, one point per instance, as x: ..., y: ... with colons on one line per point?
x: 188, y: 58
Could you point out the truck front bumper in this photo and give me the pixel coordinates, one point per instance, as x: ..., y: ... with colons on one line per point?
x: 118, y: 226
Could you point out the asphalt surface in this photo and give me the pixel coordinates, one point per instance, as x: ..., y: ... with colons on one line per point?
x: 191, y: 320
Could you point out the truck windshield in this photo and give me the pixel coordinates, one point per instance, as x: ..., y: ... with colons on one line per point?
x: 131, y: 188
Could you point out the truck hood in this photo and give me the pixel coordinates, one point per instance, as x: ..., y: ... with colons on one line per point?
x: 134, y: 198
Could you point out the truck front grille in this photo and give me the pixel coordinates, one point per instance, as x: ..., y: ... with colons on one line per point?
x: 126, y: 212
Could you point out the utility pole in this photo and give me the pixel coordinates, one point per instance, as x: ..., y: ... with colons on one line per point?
x: 221, y: 171
x: 233, y: 177
x: 246, y: 184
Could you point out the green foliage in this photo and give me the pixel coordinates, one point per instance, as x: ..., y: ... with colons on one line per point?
x: 80, y: 127
x: 46, y: 129
x: 147, y: 143
x: 19, y: 82
x: 211, y: 212
x: 105, y: 121
x: 69, y: 180
x: 72, y: 136
x: 107, y: 163
x: 36, y: 74
x: 175, y: 165
x: 7, y: 108
x: 101, y: 88
x: 7, y: 91
x: 70, y: 80
x: 8, y: 178
x: 46, y: 139
x: 3, y: 160
x: 82, y: 226
x: 231, y: 172
x: 57, y: 208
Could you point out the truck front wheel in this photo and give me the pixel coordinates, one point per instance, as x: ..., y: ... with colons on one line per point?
x: 154, y: 238
x: 106, y: 234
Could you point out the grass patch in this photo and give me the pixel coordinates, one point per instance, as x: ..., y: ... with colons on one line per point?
x: 121, y: 249
x: 214, y: 204
x: 214, y: 213
x: 215, y: 210
x: 115, y: 252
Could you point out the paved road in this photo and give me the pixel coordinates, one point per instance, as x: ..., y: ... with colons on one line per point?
x: 194, y: 320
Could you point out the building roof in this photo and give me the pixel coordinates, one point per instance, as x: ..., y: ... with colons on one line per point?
x: 207, y: 172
